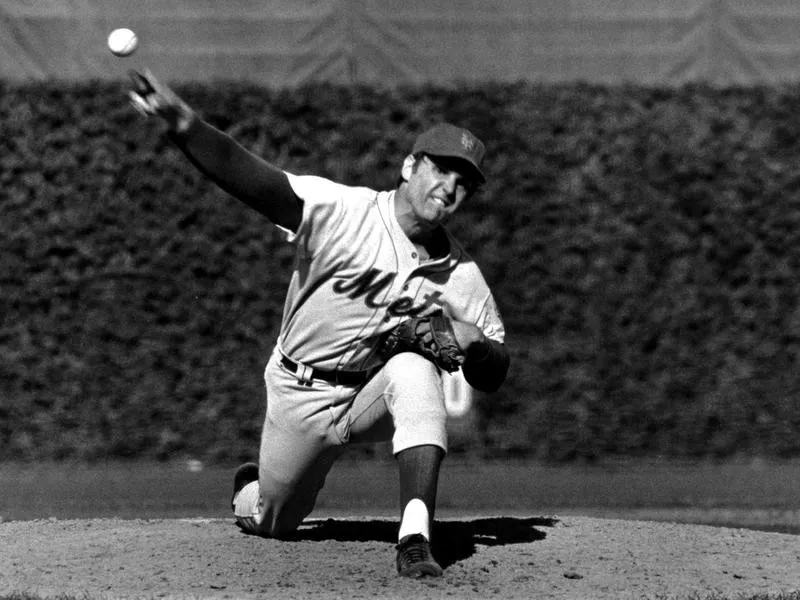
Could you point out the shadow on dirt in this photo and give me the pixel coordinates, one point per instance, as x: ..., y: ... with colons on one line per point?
x: 454, y: 540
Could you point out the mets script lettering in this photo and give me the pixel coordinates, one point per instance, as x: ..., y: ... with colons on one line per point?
x: 371, y: 285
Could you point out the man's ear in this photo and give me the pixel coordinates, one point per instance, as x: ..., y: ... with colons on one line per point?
x: 408, y: 167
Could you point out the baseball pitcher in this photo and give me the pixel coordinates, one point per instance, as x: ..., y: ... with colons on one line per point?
x: 387, y: 320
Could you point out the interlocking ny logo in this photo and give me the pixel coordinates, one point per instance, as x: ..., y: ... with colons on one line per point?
x: 467, y: 142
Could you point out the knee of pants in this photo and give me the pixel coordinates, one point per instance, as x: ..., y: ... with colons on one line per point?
x: 416, y: 401
x: 285, y: 501
x: 271, y: 526
x: 413, y: 374
x: 276, y: 518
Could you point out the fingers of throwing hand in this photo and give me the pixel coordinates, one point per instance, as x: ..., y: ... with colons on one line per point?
x: 141, y: 104
x: 151, y: 98
x: 148, y: 97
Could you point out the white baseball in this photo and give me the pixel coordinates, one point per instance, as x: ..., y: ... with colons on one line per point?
x: 122, y: 42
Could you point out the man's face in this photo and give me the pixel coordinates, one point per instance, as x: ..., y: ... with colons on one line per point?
x: 436, y: 187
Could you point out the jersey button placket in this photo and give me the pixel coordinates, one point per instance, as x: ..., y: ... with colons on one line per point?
x: 408, y: 285
x: 404, y: 289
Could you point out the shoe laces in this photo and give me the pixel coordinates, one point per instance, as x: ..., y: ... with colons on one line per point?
x: 415, y: 550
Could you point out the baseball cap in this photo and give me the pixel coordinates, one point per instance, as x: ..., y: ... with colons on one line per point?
x: 445, y: 139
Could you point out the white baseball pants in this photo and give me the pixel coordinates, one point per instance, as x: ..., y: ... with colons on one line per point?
x: 306, y: 428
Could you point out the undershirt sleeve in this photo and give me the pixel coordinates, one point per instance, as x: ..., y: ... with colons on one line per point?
x: 487, y: 372
x: 244, y: 175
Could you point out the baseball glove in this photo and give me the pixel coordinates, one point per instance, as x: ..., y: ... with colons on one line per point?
x: 431, y: 337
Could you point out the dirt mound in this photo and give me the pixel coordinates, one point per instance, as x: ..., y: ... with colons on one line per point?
x: 541, y: 557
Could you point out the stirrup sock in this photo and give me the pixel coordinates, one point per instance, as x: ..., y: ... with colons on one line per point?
x: 415, y: 520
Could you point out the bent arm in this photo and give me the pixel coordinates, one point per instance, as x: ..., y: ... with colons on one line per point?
x: 486, y: 365
x: 244, y: 175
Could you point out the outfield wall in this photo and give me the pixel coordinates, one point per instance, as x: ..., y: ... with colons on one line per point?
x: 287, y: 43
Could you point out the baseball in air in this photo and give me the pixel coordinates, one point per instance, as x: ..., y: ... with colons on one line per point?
x: 122, y: 42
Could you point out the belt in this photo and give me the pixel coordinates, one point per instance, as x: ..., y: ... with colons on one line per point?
x: 336, y: 377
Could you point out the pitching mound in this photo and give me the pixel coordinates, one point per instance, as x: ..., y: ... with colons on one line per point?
x: 540, y: 557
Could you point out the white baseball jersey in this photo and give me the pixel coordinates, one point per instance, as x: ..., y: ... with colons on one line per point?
x: 357, y: 276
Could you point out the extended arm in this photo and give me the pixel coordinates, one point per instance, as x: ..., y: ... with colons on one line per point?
x: 242, y: 174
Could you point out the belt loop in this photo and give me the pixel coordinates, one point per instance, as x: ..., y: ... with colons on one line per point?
x: 304, y: 374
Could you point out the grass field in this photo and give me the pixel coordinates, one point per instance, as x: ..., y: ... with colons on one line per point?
x: 752, y: 494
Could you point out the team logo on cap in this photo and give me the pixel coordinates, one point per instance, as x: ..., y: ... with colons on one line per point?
x: 467, y: 142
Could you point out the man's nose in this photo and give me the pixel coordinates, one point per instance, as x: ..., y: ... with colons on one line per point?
x: 450, y: 182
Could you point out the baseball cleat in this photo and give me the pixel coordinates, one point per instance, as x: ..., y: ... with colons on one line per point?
x: 244, y: 474
x: 414, y: 558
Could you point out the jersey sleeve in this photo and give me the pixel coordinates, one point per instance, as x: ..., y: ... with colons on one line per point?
x: 490, y: 322
x: 333, y: 216
x: 323, y: 209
